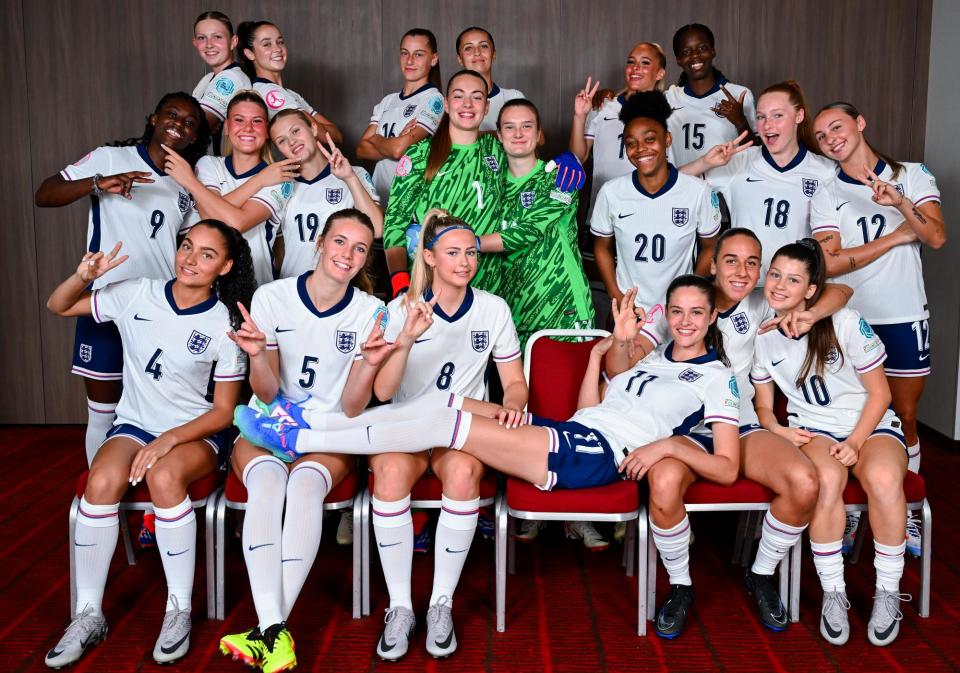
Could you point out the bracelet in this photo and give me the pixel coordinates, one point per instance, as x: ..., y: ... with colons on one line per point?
x: 96, y: 185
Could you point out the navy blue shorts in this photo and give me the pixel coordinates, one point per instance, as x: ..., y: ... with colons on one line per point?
x: 891, y: 427
x: 908, y: 348
x: 97, y: 350
x: 221, y: 442
x: 579, y: 457
x: 705, y: 442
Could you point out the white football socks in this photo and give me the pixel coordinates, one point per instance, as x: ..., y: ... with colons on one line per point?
x: 455, y: 529
x: 393, y: 531
x: 307, y: 487
x: 266, y: 480
x: 177, y: 543
x: 95, y: 540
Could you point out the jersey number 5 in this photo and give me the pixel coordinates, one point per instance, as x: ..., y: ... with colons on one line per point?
x: 309, y: 371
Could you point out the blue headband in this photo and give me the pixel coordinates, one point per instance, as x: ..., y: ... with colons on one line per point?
x: 436, y: 236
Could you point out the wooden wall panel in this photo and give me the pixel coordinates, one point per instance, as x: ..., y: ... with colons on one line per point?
x: 91, y: 71
x: 21, y: 366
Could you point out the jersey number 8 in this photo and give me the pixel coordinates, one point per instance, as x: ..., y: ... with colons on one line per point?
x: 446, y: 376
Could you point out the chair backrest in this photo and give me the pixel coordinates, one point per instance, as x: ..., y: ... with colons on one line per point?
x: 554, y: 370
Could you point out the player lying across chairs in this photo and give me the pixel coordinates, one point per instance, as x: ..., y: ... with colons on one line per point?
x: 684, y: 379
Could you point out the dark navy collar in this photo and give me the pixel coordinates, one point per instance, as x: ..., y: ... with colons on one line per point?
x: 877, y: 170
x: 800, y: 156
x: 494, y: 91
x: 425, y: 87
x: 264, y: 80
x: 787, y: 336
x: 460, y: 312
x: 308, y: 302
x: 720, y: 81
x: 320, y: 176
x: 203, y: 306
x: 622, y: 99
x: 729, y: 311
x: 233, y: 65
x: 228, y: 162
x: 145, y: 155
x: 667, y: 186
x: 709, y: 356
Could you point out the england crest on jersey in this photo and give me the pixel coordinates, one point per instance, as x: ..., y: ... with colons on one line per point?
x: 689, y: 375
x: 740, y: 322
x: 409, y: 110
x: 184, y: 202
x: 198, y: 342
x: 680, y: 216
x: 86, y: 352
x: 527, y: 199
x: 492, y: 163
x: 334, y: 195
x: 899, y: 188
x: 833, y: 355
x: 480, y: 340
x: 809, y: 186
x: 346, y: 341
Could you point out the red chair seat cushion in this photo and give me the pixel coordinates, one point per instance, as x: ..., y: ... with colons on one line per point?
x: 429, y: 487
x: 913, y: 486
x: 742, y: 490
x: 198, y: 490
x: 616, y: 498
x: 236, y: 492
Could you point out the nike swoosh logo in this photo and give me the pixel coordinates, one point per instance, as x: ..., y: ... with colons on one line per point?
x: 446, y: 643
x: 90, y: 639
x: 754, y: 179
x: 54, y: 653
x: 923, y: 357
x: 778, y: 361
x: 620, y: 216
x: 609, y: 119
x: 883, y: 635
x: 842, y: 205
x: 136, y: 316
x: 254, y: 547
x: 383, y: 644
x: 834, y: 633
x: 420, y: 341
x: 455, y: 551
x: 78, y: 544
x: 170, y: 553
x: 290, y: 559
x: 289, y: 329
x: 678, y: 108
x: 382, y: 546
x: 173, y: 648
x: 440, y: 175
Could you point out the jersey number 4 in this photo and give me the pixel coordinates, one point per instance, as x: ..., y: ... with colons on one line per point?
x: 155, y: 366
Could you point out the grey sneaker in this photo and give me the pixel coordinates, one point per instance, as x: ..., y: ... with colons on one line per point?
x: 884, y: 624
x: 528, y: 530
x: 395, y: 641
x: 174, y: 639
x: 834, y: 623
x: 913, y: 534
x: 585, y: 531
x: 345, y: 528
x: 87, y: 629
x: 441, y: 641
x: 850, y: 532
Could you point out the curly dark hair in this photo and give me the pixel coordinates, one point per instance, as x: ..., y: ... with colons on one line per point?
x: 647, y: 104
x: 192, y: 152
x: 238, y: 284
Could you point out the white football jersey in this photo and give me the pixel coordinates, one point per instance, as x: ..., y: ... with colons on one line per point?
x: 313, y: 201
x: 496, y: 99
x: 147, y: 224
x: 393, y: 113
x: 656, y: 234
x: 738, y: 325
x: 217, y: 173
x: 694, y: 125
x: 280, y: 98
x: 660, y: 397
x: 172, y: 356
x: 890, y: 289
x: 215, y: 90
x: 605, y: 129
x: 770, y: 201
x: 317, y: 349
x: 834, y: 401
x: 452, y: 355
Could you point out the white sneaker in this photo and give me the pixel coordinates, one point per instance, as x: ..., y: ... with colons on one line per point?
x: 395, y: 640
x: 850, y: 532
x: 884, y: 624
x: 834, y: 622
x: 913, y: 534
x: 529, y: 530
x: 87, y: 629
x: 441, y: 640
x: 584, y: 530
x: 174, y: 639
x: 345, y: 529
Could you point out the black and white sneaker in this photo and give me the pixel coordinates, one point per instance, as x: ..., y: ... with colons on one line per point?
x: 174, y: 640
x: 673, y: 613
x: 87, y: 629
x: 885, y: 619
x: 764, y: 591
x: 834, y: 622
x: 395, y: 640
x: 441, y: 640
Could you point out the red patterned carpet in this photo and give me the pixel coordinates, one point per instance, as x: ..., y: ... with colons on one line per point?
x: 567, y: 609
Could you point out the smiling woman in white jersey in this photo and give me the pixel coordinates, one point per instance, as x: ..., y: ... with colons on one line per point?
x: 317, y: 339
x: 838, y: 404
x: 655, y: 217
x: 408, y: 116
x: 708, y: 109
x: 240, y: 188
x: 262, y: 51
x: 769, y: 189
x: 476, y: 51
x: 871, y: 223
x: 599, y: 131
x: 131, y: 199
x: 214, y: 41
x: 181, y: 378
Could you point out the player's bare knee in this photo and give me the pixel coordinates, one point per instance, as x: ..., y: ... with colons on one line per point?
x: 165, y: 485
x: 831, y: 484
x: 392, y: 480
x: 461, y: 479
x: 666, y: 482
x: 803, y: 486
x: 883, y: 482
x: 106, y: 484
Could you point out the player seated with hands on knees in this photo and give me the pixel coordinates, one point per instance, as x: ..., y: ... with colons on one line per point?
x: 838, y: 402
x: 168, y: 432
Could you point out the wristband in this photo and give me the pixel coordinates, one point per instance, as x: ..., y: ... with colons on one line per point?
x: 96, y: 185
x: 400, y: 282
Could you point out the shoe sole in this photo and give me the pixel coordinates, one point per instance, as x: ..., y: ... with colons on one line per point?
x: 237, y: 655
x: 668, y: 636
